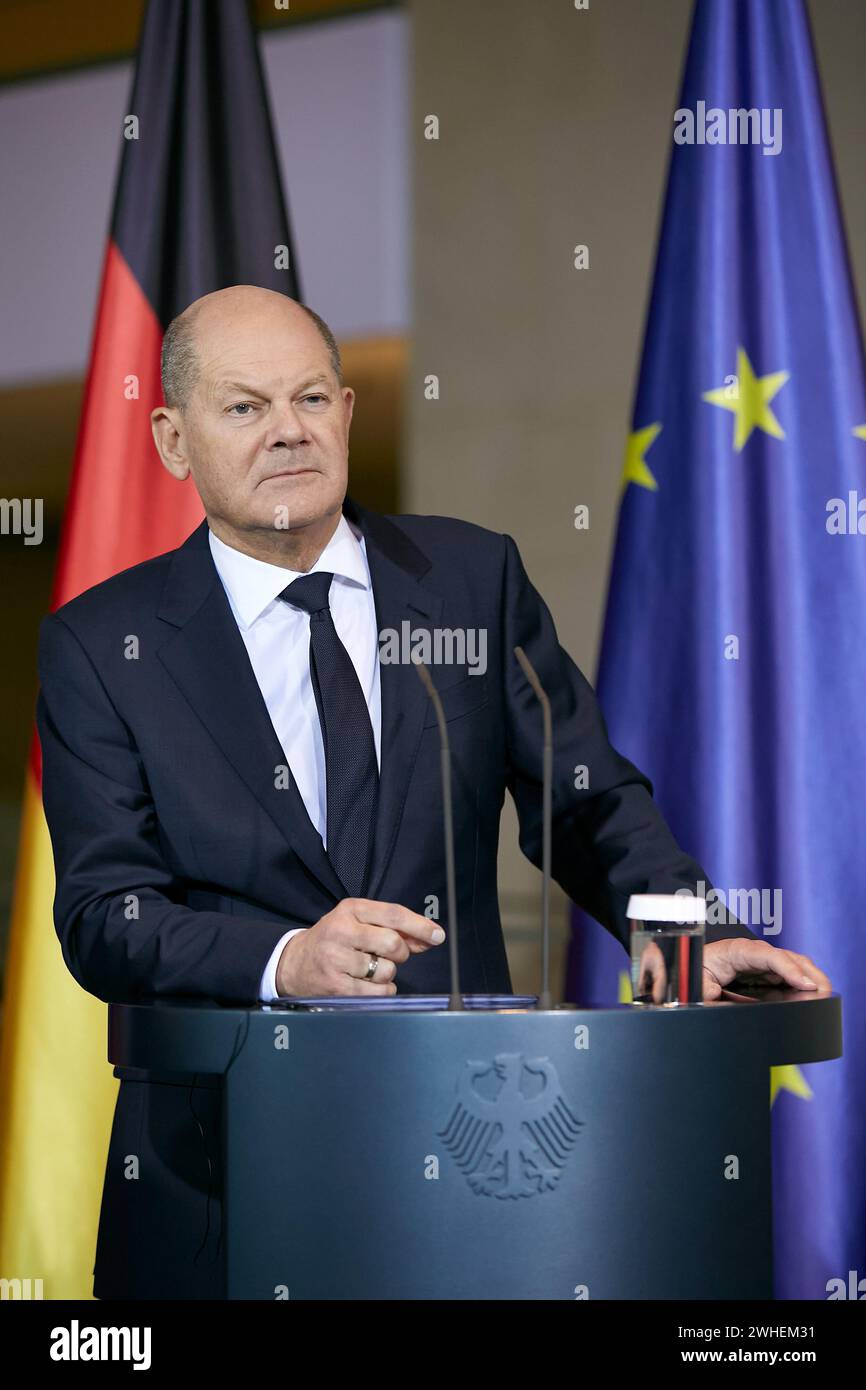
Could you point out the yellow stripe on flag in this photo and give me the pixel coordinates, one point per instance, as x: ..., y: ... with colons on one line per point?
x: 57, y: 1090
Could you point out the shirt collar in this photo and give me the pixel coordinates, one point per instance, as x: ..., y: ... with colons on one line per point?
x: 252, y: 585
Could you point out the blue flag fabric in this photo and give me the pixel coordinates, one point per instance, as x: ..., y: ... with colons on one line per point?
x: 733, y: 667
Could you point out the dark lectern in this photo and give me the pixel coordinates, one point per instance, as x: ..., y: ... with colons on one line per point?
x: 401, y: 1151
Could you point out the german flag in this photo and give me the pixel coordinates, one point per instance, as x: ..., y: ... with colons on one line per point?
x: 198, y: 206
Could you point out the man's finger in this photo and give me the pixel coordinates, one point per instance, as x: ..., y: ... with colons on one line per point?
x: 712, y: 989
x: 345, y: 960
x: 789, y: 970
x: 813, y: 971
x: 749, y: 956
x: 376, y: 941
x: 347, y: 973
x: 359, y: 963
x: 759, y: 977
x: 420, y: 932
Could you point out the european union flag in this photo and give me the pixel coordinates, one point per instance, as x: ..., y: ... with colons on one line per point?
x: 733, y: 668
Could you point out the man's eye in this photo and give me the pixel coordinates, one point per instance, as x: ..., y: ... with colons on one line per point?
x: 244, y: 406
x: 315, y: 397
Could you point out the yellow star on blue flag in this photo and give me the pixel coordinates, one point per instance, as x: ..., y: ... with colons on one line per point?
x: 789, y: 1078
x: 748, y: 398
x: 635, y: 468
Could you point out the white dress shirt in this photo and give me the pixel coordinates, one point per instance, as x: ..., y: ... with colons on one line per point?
x: 277, y: 639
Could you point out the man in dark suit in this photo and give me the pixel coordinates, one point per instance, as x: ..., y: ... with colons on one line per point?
x: 241, y: 767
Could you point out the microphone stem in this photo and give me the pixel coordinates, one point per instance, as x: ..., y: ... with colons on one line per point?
x: 547, y: 807
x: 455, y: 1000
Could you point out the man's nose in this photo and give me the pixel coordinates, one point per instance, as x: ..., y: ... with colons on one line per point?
x: 286, y: 426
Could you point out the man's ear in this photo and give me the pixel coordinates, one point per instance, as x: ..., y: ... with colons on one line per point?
x: 165, y: 423
x: 349, y: 400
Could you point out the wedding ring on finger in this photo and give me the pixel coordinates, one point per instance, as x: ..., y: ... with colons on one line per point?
x: 371, y: 968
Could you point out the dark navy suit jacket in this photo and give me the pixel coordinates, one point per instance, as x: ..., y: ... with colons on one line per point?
x: 182, y: 856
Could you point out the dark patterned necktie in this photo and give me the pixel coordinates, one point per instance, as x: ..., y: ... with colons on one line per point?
x: 351, y: 771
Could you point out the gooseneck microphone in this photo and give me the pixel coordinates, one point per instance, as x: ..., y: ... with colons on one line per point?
x: 455, y: 999
x: 545, y: 1001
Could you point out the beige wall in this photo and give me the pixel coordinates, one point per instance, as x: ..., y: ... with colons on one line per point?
x: 554, y: 130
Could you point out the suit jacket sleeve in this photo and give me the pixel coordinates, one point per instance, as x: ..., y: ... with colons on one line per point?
x: 609, y: 839
x: 124, y: 931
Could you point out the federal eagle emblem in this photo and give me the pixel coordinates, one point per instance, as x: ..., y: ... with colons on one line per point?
x: 511, y: 1130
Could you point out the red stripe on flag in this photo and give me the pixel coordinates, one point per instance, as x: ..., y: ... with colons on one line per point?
x: 122, y: 507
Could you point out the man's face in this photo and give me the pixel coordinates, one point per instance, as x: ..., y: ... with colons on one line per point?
x: 265, y: 432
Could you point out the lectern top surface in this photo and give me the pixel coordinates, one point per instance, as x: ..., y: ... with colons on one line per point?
x: 408, y: 1003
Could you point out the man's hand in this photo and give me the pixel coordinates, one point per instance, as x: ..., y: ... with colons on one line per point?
x: 759, y: 963
x: 333, y: 956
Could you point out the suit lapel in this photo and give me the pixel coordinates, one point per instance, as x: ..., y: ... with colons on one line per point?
x: 396, y: 565
x: 206, y: 657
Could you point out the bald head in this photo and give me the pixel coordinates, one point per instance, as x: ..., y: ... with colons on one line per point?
x: 181, y: 360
